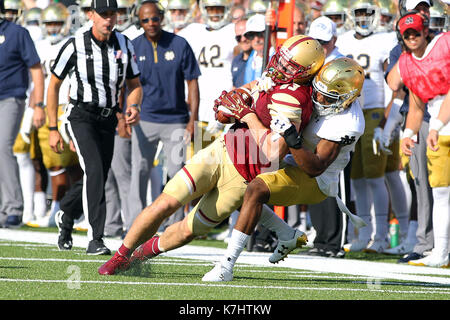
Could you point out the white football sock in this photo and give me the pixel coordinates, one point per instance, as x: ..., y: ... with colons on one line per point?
x: 232, y: 221
x: 40, y: 204
x: 362, y: 204
x: 380, y: 197
x: 237, y: 243
x: 26, y: 175
x: 441, y: 220
x: 272, y: 222
x: 398, y: 200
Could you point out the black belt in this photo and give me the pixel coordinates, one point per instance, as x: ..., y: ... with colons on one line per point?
x: 95, y: 108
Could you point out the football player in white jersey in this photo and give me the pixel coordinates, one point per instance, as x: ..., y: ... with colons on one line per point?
x: 371, y: 50
x: 311, y: 172
x: 55, y: 19
x: 213, y: 43
x: 179, y: 13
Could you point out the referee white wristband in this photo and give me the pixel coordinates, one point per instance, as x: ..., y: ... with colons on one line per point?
x: 435, y: 124
x: 407, y: 133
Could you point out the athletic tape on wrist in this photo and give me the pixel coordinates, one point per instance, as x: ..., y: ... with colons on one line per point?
x: 435, y: 124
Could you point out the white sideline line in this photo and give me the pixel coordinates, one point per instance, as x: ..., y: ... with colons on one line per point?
x: 431, y: 291
x: 328, y: 265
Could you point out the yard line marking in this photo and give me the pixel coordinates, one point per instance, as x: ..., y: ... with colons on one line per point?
x: 434, y: 291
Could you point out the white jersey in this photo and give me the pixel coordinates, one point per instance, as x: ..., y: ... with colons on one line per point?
x: 345, y: 127
x: 370, y: 52
x: 132, y: 32
x: 48, y: 53
x: 214, y: 52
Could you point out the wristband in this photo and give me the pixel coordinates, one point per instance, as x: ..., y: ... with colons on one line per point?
x: 435, y: 124
x: 407, y: 133
x: 40, y: 105
x: 136, y: 106
x: 53, y: 128
x: 293, y: 140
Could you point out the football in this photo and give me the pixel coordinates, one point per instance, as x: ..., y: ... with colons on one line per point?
x: 225, y: 116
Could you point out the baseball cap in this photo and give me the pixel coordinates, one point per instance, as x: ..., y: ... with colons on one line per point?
x: 255, y: 23
x: 322, y: 28
x: 101, y: 6
x: 411, y: 21
x: 411, y: 4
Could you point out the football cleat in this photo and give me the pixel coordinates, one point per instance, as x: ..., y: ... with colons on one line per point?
x: 376, y: 246
x: 97, y: 247
x: 64, y: 232
x: 285, y: 247
x: 114, y: 265
x: 433, y: 260
x: 355, y: 246
x: 218, y: 274
x: 402, y: 248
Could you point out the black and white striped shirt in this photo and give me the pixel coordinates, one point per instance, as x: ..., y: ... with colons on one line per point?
x: 99, y: 68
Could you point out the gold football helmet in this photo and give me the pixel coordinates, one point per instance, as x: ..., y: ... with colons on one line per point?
x: 337, y: 10
x: 56, y: 21
x: 257, y: 6
x: 439, y: 16
x: 32, y: 17
x: 339, y: 83
x: 364, y: 15
x: 179, y: 20
x: 388, y: 13
x: 13, y: 10
x: 85, y: 7
x: 297, y: 60
x: 124, y: 20
x: 213, y: 19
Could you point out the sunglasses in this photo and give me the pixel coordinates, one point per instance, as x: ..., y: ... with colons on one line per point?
x: 252, y: 35
x: 323, y: 43
x: 408, y: 35
x: 240, y: 38
x: 147, y: 20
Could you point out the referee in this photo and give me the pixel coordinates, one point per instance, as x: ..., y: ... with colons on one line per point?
x: 101, y: 61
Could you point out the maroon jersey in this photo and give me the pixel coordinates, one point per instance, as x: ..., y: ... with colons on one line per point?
x: 292, y: 100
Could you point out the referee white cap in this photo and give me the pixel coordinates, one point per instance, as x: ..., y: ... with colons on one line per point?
x: 101, y: 6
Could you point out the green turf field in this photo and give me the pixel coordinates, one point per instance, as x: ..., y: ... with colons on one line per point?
x: 31, y: 271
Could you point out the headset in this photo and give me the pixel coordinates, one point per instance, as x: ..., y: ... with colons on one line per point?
x: 426, y: 23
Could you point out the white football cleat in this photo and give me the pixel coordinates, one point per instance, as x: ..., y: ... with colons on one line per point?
x: 285, y: 247
x: 402, y: 248
x: 433, y: 260
x: 376, y: 246
x: 218, y: 274
x: 355, y: 246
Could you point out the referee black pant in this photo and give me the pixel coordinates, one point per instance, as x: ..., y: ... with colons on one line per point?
x: 93, y: 137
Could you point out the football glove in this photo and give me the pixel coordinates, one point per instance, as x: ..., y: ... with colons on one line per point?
x: 63, y: 125
x: 237, y: 105
x: 27, y: 125
x: 377, y: 143
x: 281, y: 125
x: 264, y: 84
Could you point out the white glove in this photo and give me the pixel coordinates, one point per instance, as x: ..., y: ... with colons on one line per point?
x: 377, y: 142
x: 264, y: 84
x: 62, y: 127
x: 279, y: 124
x: 27, y: 125
x: 393, y: 122
x: 214, y: 127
